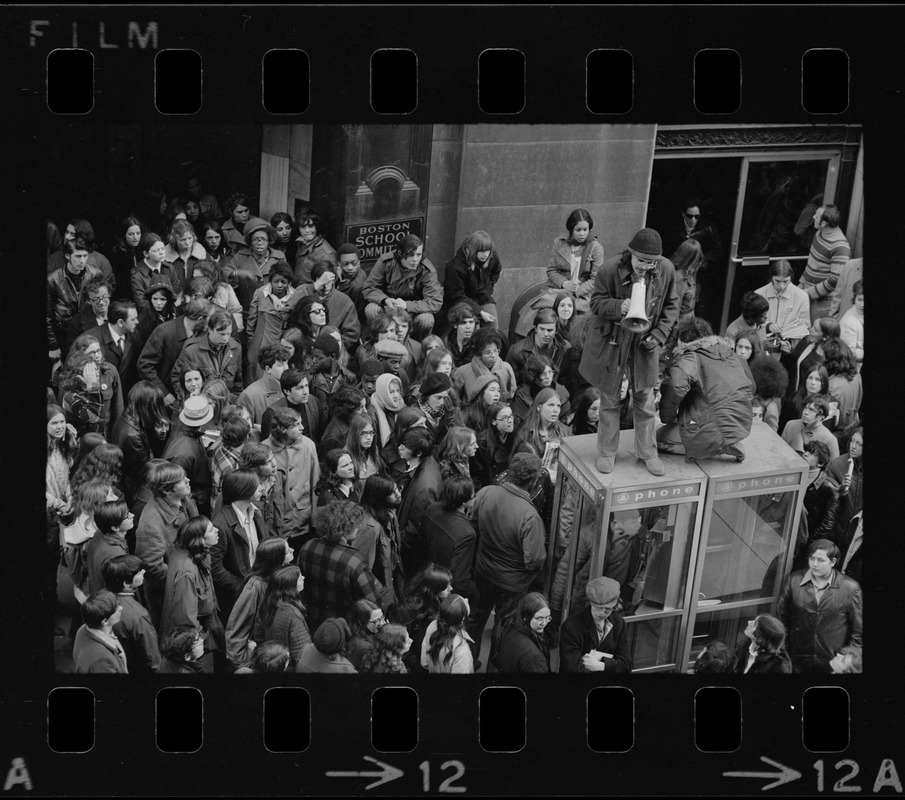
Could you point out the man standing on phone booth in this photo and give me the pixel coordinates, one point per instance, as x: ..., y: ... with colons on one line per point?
x: 611, y: 347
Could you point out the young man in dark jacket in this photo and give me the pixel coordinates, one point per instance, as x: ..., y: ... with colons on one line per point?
x: 594, y: 639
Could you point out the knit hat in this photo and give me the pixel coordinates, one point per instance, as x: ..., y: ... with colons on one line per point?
x: 475, y: 388
x: 644, y: 244
x: 160, y: 284
x: 327, y: 345
x: 435, y: 383
x: 332, y: 635
x: 257, y: 224
x: 543, y: 396
x: 388, y: 348
x: 601, y: 591
x: 196, y: 411
x: 372, y: 368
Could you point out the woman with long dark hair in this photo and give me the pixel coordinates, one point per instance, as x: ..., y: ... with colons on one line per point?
x: 480, y: 395
x: 104, y: 463
x: 282, y: 615
x: 338, y: 480
x: 687, y: 260
x: 363, y: 445
x: 378, y: 538
x: 92, y: 396
x: 845, y: 383
x: 542, y: 425
x: 808, y: 353
x: 365, y: 619
x: 817, y: 381
x: 269, y: 557
x: 189, y: 597
x: 496, y: 442
x: 456, y: 450
x: 587, y: 412
x: 62, y: 441
x: 575, y: 259
x: 392, y: 645
x: 141, y: 432
x: 309, y: 315
x: 286, y: 242
x: 471, y: 276
x: 446, y: 648
x: 765, y: 652
x: 521, y: 646
x: 540, y: 374
x: 211, y: 236
x: 420, y: 606
x: 126, y: 255
x: 462, y: 323
x: 407, y: 418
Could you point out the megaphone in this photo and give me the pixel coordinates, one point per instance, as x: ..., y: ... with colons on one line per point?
x: 636, y: 321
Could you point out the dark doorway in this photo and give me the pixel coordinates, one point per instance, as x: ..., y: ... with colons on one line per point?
x: 714, y: 182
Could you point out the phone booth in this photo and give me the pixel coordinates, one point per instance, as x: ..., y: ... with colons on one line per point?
x: 696, y: 551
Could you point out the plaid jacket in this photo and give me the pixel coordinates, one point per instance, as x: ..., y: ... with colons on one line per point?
x: 335, y: 577
x: 223, y: 460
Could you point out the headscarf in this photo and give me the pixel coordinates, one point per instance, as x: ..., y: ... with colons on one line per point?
x: 381, y: 402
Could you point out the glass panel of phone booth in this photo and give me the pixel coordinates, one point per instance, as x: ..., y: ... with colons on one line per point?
x: 746, y: 542
x: 653, y: 642
x: 724, y: 625
x: 573, y: 552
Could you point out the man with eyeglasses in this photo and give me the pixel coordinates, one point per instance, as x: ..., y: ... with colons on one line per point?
x: 692, y: 224
x: 96, y: 297
x: 611, y: 349
x: 595, y: 639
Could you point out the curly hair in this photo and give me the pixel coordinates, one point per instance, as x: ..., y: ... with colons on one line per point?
x: 385, y: 654
x: 338, y: 519
x: 770, y: 377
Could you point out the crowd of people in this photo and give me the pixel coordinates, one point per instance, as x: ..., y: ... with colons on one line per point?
x: 262, y: 456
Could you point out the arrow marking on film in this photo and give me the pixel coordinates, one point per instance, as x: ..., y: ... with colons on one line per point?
x: 785, y: 774
x: 386, y: 774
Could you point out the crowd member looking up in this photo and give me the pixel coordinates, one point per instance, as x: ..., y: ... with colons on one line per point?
x: 80, y: 230
x: 311, y: 246
x: 189, y: 597
x: 422, y: 482
x: 181, y: 649
x: 851, y: 323
x: 96, y: 649
x: 365, y: 619
x: 446, y: 647
x: 112, y: 520
x: 124, y: 575
x: 808, y: 353
x: 472, y: 275
x: 829, y: 253
x: 764, y: 653
x: 170, y: 505
x: 753, y: 317
x: 403, y: 278
x: 240, y: 527
x: 847, y: 471
x: 271, y: 554
x: 420, y: 605
x: 282, y: 615
x: 797, y: 433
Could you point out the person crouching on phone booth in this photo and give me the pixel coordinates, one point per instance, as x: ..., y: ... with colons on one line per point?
x: 611, y: 349
x: 706, y: 396
x: 595, y: 639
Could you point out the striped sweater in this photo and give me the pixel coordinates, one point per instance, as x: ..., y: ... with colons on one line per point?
x: 829, y: 252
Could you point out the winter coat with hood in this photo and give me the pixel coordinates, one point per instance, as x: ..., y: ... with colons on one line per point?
x: 709, y: 390
x: 474, y: 286
x: 148, y: 318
